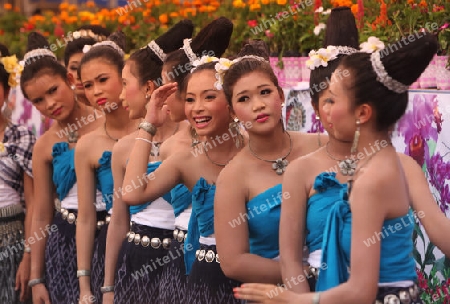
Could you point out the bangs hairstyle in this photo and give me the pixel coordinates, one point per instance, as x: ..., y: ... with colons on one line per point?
x: 405, y: 65
x: 145, y: 65
x: 4, y: 76
x: 210, y: 66
x: 76, y: 45
x: 107, y: 53
x: 247, y: 66
x: 42, y: 65
x: 213, y: 38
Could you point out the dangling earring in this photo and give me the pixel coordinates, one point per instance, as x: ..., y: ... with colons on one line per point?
x: 235, y: 126
x: 356, y: 137
x: 317, y: 116
x: 73, y: 87
x: 319, y: 123
x: 194, y: 137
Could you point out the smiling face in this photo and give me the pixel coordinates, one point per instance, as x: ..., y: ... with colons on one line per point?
x: 72, y: 68
x: 256, y: 99
x: 102, y: 83
x: 175, y: 102
x: 133, y: 95
x: 51, y: 95
x: 206, y: 107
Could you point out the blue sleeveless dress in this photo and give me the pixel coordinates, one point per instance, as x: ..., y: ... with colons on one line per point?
x: 395, y: 265
x: 207, y: 283
x: 263, y: 212
x: 60, y: 250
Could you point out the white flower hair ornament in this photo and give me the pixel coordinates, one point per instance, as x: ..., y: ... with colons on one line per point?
x: 321, y: 57
x: 224, y: 65
x: 372, y: 44
x: 203, y: 60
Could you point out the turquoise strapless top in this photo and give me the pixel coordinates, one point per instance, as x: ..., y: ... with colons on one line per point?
x: 264, y: 222
x: 151, y: 167
x: 63, y: 169
x: 201, y: 222
x: 181, y: 199
x: 105, y: 183
x: 328, y: 189
x: 395, y: 265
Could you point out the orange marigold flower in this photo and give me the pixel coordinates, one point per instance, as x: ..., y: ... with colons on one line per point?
x: 423, y: 3
x: 96, y: 22
x: 63, y: 6
x: 197, y: 3
x: 281, y: 2
x: 354, y: 9
x: 163, y: 18
x: 72, y: 8
x: 187, y: 3
x: 215, y: 3
x: 7, y: 6
x: 191, y: 11
x: 410, y: 1
x: 238, y: 4
x: 174, y: 15
x: 46, y: 34
x: 90, y: 3
x: 265, y: 2
x: 255, y: 7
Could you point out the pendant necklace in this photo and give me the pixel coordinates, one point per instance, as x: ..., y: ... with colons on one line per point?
x: 215, y: 163
x: 156, y: 145
x: 346, y: 166
x: 280, y: 164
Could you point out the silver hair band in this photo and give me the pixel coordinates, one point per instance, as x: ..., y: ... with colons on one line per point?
x: 188, y: 50
x: 346, y: 50
x: 249, y: 57
x: 37, y: 53
x: 383, y: 77
x: 157, y: 50
x: 110, y: 44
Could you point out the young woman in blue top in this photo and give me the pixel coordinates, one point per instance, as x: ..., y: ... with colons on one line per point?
x: 151, y: 221
x: 45, y: 83
x: 100, y: 72
x: 198, y: 168
x: 248, y: 198
x: 379, y: 200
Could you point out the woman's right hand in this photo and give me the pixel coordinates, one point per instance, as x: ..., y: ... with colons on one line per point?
x: 40, y: 294
x: 156, y: 112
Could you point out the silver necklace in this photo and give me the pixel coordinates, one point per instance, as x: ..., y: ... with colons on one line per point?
x: 209, y: 158
x: 72, y: 137
x: 346, y: 166
x: 107, y: 134
x: 279, y: 164
x: 156, y: 145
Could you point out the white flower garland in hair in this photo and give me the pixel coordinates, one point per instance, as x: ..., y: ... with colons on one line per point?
x: 157, y: 50
x: 203, y: 60
x: 372, y: 44
x: 109, y: 43
x: 188, y: 50
x: 322, y: 56
x: 37, y: 53
x: 224, y: 65
x: 383, y: 77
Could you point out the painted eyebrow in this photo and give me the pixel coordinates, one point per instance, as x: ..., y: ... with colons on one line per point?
x: 258, y: 87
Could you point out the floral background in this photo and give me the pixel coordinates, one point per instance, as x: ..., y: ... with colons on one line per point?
x: 424, y: 134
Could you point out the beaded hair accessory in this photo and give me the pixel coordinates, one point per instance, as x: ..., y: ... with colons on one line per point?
x: 322, y: 56
x: 383, y: 77
x: 188, y: 50
x: 224, y: 65
x: 37, y: 53
x: 88, y: 34
x: 109, y: 43
x: 152, y: 45
x: 12, y: 67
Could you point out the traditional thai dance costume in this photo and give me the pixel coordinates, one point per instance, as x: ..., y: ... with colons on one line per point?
x: 144, y: 251
x: 397, y: 267
x: 60, y: 252
x: 207, y: 283
x: 15, y: 161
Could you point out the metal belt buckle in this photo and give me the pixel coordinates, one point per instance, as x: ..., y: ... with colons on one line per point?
x: 71, y: 218
x: 131, y: 236
x: 201, y: 255
x: 155, y: 243
x: 217, y: 258
x: 100, y: 224
x: 175, y: 234
x: 107, y: 219
x: 145, y: 241
x: 180, y: 236
x: 166, y: 243
x: 210, y: 255
x: 137, y: 239
x: 64, y: 213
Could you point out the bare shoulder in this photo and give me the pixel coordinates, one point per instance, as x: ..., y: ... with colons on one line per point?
x: 233, y: 172
x: 305, y: 143
x: 126, y: 142
x: 178, y: 142
x: 44, y: 146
